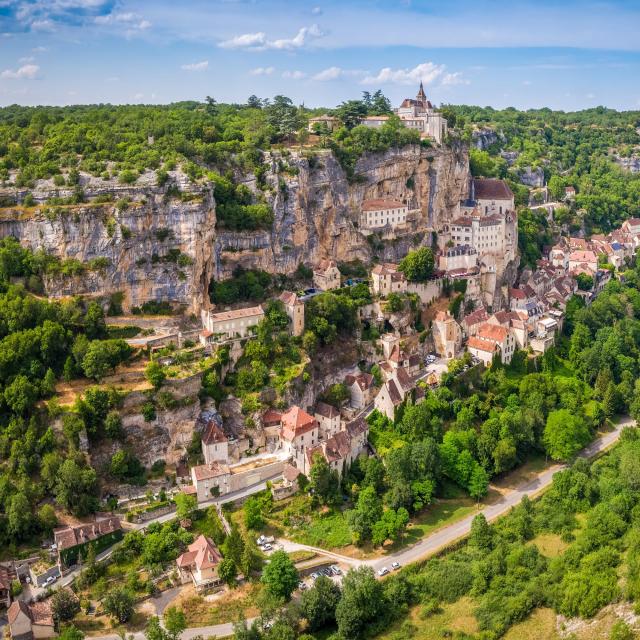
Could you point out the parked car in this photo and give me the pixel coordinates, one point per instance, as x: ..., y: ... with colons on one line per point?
x: 302, y: 586
x: 315, y: 576
x: 335, y: 569
x: 267, y: 547
x: 395, y: 566
x: 383, y: 571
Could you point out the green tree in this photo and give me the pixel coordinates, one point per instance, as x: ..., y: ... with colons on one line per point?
x: 481, y: 535
x: 113, y: 425
x: 361, y: 604
x: 154, y: 373
x: 227, y: 571
x: 367, y: 512
x: 118, y: 603
x: 280, y: 575
x: 323, y: 479
x: 47, y: 519
x: 565, y: 434
x: 19, y: 518
x: 318, y: 604
x: 186, y: 504
x: 64, y: 605
x: 70, y: 633
x: 417, y: 265
x: 76, y: 488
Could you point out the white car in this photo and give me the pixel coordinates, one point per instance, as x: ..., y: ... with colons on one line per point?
x: 267, y: 547
x: 383, y: 571
x: 395, y: 566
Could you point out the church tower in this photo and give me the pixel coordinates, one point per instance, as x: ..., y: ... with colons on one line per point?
x: 422, y: 96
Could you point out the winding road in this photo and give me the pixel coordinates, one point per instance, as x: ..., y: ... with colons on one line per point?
x: 432, y: 543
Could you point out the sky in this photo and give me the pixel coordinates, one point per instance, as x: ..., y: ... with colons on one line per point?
x: 565, y: 55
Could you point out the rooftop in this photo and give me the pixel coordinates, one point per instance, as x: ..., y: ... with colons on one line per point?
x: 381, y: 204
x: 491, y: 189
x: 248, y: 312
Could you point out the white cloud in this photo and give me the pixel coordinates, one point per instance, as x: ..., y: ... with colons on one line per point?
x: 332, y: 73
x: 317, y: 11
x: 527, y: 83
x: 39, y: 49
x: 259, y: 41
x: 26, y: 59
x: 451, y: 79
x: 27, y: 71
x: 262, y: 71
x: 196, y: 66
x: 43, y: 25
x: 426, y: 72
x: 591, y: 96
x: 294, y: 75
x: 132, y: 23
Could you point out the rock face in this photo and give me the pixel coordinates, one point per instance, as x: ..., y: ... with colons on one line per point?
x: 162, y: 247
x: 530, y: 176
x: 483, y: 138
x: 158, y: 247
x: 631, y: 164
x: 317, y: 209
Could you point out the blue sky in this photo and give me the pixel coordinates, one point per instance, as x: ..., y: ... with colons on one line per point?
x: 565, y: 55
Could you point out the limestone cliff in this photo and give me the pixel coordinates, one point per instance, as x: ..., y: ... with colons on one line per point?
x: 317, y: 208
x: 161, y: 243
x: 158, y: 247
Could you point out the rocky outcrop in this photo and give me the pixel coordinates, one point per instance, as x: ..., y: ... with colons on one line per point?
x: 158, y: 247
x: 530, y: 176
x: 631, y: 163
x: 317, y: 208
x: 484, y: 138
x: 162, y: 244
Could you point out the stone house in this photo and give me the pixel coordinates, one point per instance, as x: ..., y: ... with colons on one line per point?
x: 583, y: 260
x: 382, y: 212
x: 326, y: 275
x: 342, y: 448
x: 215, y: 445
x: 72, y: 541
x: 473, y: 320
x: 361, y: 389
x: 31, y: 621
x: 199, y: 563
x: 492, y: 196
x: 288, y: 485
x: 400, y: 359
x: 328, y: 419
x: 492, y: 339
x: 229, y: 324
x: 210, y: 479
x: 516, y: 321
x: 386, y: 279
x: 295, y: 310
x: 393, y: 393
x: 447, y: 335
x: 299, y: 430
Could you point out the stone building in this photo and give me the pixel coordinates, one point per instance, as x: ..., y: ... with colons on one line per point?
x: 31, y: 621
x: 299, y: 430
x: 215, y: 445
x: 328, y: 419
x: 447, y: 335
x: 386, y: 279
x: 361, y: 389
x: 229, y: 324
x: 199, y: 563
x: 381, y: 212
x: 326, y: 275
x: 295, y: 310
x: 419, y: 114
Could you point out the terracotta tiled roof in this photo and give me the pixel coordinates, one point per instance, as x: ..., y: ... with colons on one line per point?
x: 397, y: 355
x: 72, y: 536
x: 295, y: 422
x: 403, y: 379
x: 249, y: 312
x: 363, y: 380
x: 385, y: 269
x: 394, y: 394
x: 290, y: 473
x: 289, y: 299
x: 7, y: 575
x: 213, y: 433
x: 381, y: 204
x: 491, y: 189
x: 476, y: 317
x: 517, y: 294
x: 17, y: 606
x: 493, y: 332
x: 211, y: 470
x: 271, y: 417
x: 326, y: 410
x: 481, y: 345
x: 201, y: 554
x: 583, y: 256
x: 38, y: 612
